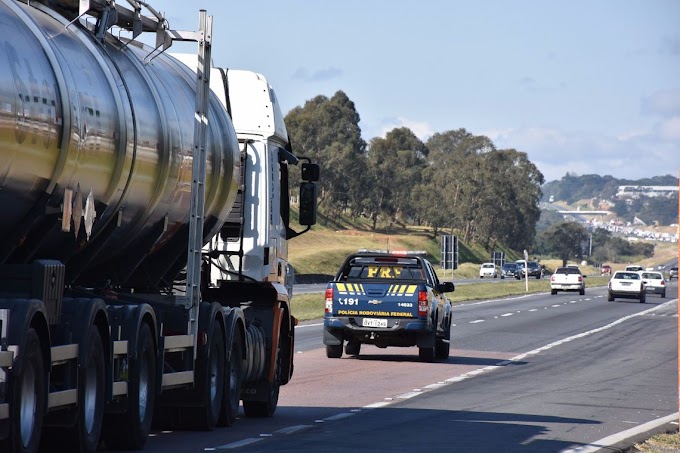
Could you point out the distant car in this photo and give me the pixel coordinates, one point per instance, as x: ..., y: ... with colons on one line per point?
x: 673, y: 273
x: 533, y: 267
x: 567, y: 279
x: 606, y: 269
x: 634, y: 268
x: 654, y: 283
x: 510, y: 270
x: 627, y: 285
x: 488, y: 270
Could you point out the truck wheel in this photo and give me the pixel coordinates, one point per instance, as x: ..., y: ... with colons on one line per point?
x: 28, y: 397
x: 427, y: 354
x: 663, y: 294
x: 442, y: 349
x: 610, y: 297
x: 131, y: 429
x: 90, y: 394
x: 643, y: 298
x: 334, y: 351
x: 234, y: 375
x: 268, y: 407
x: 210, y: 382
x: 553, y: 292
x: 582, y: 291
x: 353, y: 348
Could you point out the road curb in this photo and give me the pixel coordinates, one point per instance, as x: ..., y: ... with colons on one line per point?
x: 626, y: 439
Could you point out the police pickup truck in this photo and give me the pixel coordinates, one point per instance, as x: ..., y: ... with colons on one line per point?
x: 387, y: 299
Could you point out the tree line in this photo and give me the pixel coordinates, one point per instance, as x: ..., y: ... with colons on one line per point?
x: 455, y: 181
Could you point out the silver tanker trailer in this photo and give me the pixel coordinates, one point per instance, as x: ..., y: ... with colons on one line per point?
x: 144, y: 219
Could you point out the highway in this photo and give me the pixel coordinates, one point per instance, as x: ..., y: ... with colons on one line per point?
x: 534, y: 373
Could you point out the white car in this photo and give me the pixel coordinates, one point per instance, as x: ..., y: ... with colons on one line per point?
x: 627, y: 285
x: 654, y: 283
x: 488, y: 270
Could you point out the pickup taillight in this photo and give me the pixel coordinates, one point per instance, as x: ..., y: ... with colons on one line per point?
x: 329, y: 300
x: 552, y: 279
x: 423, y: 304
x: 580, y: 279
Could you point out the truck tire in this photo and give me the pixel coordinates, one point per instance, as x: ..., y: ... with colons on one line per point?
x: 442, y: 349
x: 267, y: 408
x: 553, y: 292
x: 427, y: 354
x: 90, y: 406
x: 643, y: 298
x: 210, y: 382
x: 353, y: 348
x: 582, y: 291
x: 28, y: 399
x: 610, y: 297
x: 334, y: 351
x: 131, y: 429
x: 233, y: 377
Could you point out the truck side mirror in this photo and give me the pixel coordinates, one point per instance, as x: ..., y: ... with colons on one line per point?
x: 310, y: 172
x: 308, y: 195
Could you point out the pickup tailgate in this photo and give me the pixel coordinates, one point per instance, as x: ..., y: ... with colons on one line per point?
x: 374, y: 302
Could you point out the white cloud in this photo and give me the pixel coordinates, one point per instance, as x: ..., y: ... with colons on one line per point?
x: 664, y: 103
x: 423, y: 130
x: 670, y: 129
x: 320, y: 75
x: 632, y: 155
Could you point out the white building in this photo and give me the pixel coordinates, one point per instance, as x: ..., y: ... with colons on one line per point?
x: 648, y: 191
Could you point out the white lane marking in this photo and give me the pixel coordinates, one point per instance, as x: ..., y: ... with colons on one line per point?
x: 240, y: 443
x: 476, y: 321
x: 507, y: 314
x: 339, y: 416
x: 266, y: 435
x: 405, y: 396
x: 300, y: 326
x: 376, y: 405
x: 534, y: 309
x: 294, y: 429
x: 623, y: 435
x: 555, y: 306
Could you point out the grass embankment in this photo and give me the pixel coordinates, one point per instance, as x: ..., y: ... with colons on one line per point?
x: 321, y: 251
x: 311, y: 306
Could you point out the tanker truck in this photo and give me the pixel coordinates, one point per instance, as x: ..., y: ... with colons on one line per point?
x: 144, y: 222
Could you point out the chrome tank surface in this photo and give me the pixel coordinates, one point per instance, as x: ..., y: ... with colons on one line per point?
x: 85, y: 117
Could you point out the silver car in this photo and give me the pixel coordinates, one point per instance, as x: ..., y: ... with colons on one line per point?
x: 654, y: 283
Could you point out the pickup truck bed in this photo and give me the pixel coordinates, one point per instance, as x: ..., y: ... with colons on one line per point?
x: 387, y: 299
x: 567, y: 279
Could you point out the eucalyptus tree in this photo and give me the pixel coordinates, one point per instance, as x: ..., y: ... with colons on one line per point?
x: 327, y: 131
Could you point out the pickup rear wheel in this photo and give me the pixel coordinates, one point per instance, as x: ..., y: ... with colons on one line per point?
x: 334, y: 351
x: 353, y: 348
x: 553, y: 292
x: 643, y: 298
x: 427, y: 354
x: 610, y: 297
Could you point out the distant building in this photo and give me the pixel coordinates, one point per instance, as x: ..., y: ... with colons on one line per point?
x: 648, y: 191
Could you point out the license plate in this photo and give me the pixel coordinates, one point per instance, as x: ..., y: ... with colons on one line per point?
x: 626, y: 284
x: 370, y: 322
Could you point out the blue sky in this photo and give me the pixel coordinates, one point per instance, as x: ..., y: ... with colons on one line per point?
x: 580, y: 86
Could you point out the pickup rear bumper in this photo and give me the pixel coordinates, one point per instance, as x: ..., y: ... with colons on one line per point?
x: 399, y: 332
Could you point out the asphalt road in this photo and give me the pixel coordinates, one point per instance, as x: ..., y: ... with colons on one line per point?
x: 537, y: 373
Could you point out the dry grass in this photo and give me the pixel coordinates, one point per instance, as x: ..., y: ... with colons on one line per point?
x: 311, y: 306
x: 661, y: 443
